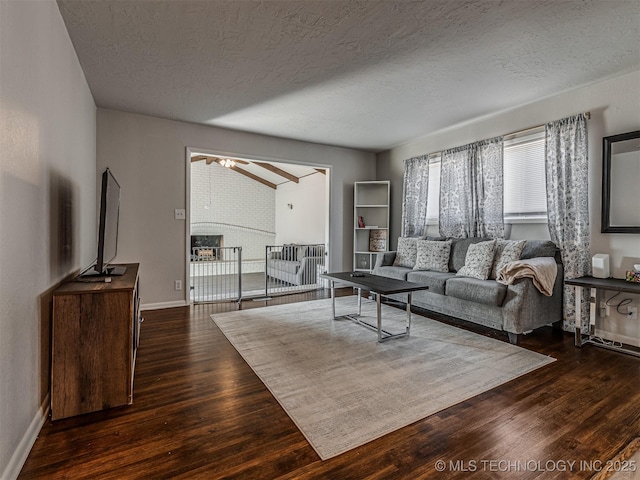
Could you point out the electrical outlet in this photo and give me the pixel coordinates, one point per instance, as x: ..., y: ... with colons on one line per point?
x: 180, y: 214
x: 632, y: 312
x: 602, y: 310
x: 178, y: 285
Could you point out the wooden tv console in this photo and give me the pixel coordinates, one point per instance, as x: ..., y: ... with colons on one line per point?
x: 95, y: 335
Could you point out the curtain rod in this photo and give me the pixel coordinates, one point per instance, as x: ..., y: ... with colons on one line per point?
x: 586, y: 114
x: 522, y: 130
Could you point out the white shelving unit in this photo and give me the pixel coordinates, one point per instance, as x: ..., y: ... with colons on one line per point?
x: 371, y: 202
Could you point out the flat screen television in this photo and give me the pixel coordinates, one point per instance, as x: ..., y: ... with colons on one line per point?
x: 108, y: 228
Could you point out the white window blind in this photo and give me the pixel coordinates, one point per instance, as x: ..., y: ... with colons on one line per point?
x: 524, y: 177
x: 525, y: 198
x: 433, y: 200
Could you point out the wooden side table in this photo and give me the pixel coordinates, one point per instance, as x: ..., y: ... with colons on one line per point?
x: 612, y: 284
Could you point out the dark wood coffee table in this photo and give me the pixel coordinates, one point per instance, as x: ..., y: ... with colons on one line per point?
x: 381, y: 287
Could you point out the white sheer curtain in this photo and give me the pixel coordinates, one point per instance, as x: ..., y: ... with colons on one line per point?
x: 415, y: 190
x: 471, y: 190
x: 566, y: 162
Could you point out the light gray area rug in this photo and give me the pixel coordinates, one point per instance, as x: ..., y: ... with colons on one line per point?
x: 343, y: 389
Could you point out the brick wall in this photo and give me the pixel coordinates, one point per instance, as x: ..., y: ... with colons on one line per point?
x: 224, y: 202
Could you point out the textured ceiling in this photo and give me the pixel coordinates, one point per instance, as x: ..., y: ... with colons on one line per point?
x: 361, y: 74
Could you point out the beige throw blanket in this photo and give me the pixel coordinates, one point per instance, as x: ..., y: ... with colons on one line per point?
x: 542, y: 270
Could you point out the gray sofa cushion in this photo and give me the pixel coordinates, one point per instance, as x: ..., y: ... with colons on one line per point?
x: 385, y: 259
x: 288, y: 266
x: 487, y: 292
x: 539, y: 248
x: 393, y: 272
x: 435, y: 280
x: 459, y: 247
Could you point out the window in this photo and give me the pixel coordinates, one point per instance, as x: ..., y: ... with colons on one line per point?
x: 525, y: 198
x: 433, y: 198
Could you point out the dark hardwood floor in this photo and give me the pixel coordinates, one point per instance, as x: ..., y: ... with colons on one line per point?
x: 200, y: 412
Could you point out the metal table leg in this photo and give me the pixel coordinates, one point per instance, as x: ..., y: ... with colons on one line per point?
x: 333, y: 298
x: 351, y: 316
x: 383, y: 335
x: 578, y: 320
x: 408, y: 313
x: 379, y: 315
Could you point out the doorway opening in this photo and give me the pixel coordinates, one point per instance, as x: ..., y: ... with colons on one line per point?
x: 256, y: 228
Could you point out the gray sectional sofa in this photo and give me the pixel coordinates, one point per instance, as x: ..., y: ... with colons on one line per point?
x: 516, y: 309
x: 295, y: 264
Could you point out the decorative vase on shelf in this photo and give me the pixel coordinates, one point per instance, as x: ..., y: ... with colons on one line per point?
x: 363, y: 263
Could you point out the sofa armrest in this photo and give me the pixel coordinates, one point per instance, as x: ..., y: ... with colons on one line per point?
x: 311, y: 261
x: 525, y: 308
x: 307, y: 271
x: 385, y: 259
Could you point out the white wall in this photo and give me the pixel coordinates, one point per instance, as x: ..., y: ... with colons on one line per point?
x: 225, y: 202
x: 615, y: 108
x: 147, y: 155
x: 47, y: 205
x: 306, y: 221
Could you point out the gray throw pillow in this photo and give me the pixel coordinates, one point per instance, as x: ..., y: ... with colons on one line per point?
x: 477, y: 263
x: 433, y: 255
x: 506, y: 251
x: 406, y: 252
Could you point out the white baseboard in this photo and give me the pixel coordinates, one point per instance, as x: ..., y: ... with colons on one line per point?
x: 157, y: 306
x: 21, y: 453
x: 617, y: 337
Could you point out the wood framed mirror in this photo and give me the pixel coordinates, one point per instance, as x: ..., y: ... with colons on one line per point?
x: 620, y: 183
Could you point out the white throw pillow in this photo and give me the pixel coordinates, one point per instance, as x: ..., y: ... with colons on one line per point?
x: 433, y: 255
x: 478, y: 261
x: 406, y: 252
x: 506, y: 251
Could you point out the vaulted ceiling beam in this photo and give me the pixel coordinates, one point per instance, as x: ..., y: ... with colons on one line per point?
x: 278, y: 171
x: 235, y: 168
x: 208, y: 159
